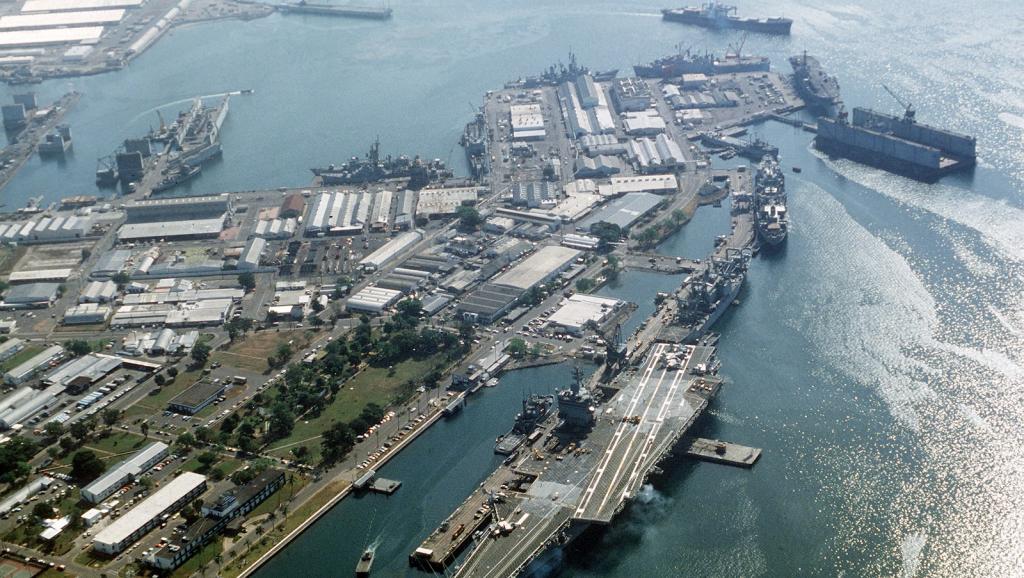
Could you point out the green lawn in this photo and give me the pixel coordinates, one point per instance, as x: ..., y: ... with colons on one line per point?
x: 251, y: 351
x: 21, y: 357
x: 372, y: 385
x: 156, y: 403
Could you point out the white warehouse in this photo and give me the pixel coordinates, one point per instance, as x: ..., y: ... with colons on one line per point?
x: 142, y: 518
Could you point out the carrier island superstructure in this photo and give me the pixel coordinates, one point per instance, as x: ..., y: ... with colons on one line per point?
x: 607, y: 437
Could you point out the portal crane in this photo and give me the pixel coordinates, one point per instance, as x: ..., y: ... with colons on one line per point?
x: 908, y: 113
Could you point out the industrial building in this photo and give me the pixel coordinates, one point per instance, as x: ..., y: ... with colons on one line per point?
x: 45, y: 229
x: 37, y: 363
x: 645, y: 122
x: 539, y: 268
x: 250, y: 259
x: 372, y: 299
x: 87, y: 314
x: 389, y: 251
x: 198, y: 395
x: 601, y: 166
x: 434, y: 203
x: 182, y: 293
x: 176, y: 209
x: 60, y: 19
x: 659, y: 153
x: 130, y: 527
x: 527, y: 121
x: 631, y: 94
x: 206, y: 313
x: 40, y: 276
x: 346, y: 213
x: 124, y: 472
x: 581, y: 242
x: 98, y: 292
x: 30, y: 295
x: 19, y: 406
x: 163, y: 342
x: 405, y: 210
x: 178, y: 230
x: 276, y: 228
x: 488, y: 303
x: 658, y: 184
x: 535, y: 193
x: 74, y: 5
x: 10, y: 348
x: 78, y: 374
x: 21, y: 496
x: 49, y: 36
x: 623, y: 211
x: 293, y: 206
x: 580, y: 310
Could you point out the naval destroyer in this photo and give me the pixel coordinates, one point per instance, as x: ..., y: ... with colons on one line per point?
x: 721, y: 16
x: 373, y: 168
x: 899, y: 145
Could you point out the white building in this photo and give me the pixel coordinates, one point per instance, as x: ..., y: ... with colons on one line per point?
x: 579, y: 310
x: 373, y: 299
x: 142, y: 518
x: 39, y: 362
x: 124, y: 472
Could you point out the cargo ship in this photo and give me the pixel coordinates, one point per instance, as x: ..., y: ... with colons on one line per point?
x: 347, y: 11
x: 819, y: 90
x: 372, y: 168
x: 535, y: 409
x: 721, y: 17
x: 899, y: 145
x: 770, y: 214
x: 693, y: 63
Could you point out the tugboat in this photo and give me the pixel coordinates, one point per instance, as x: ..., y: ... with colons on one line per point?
x: 535, y: 409
x: 365, y: 563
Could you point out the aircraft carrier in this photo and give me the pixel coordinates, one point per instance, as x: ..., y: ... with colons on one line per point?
x: 606, y: 438
x: 899, y: 145
x: 818, y: 89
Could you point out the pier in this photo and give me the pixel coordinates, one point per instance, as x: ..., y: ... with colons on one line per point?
x: 721, y: 452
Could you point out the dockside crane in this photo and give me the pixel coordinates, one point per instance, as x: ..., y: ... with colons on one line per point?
x: 908, y: 107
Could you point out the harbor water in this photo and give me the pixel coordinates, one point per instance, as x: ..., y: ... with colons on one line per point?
x: 877, y: 358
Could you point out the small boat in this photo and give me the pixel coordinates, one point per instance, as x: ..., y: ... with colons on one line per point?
x: 797, y: 170
x: 365, y: 563
x: 247, y: 91
x: 492, y: 382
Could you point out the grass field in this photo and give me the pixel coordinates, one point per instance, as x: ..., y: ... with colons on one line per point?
x: 155, y: 403
x: 252, y: 351
x: 9, y: 257
x: 372, y: 385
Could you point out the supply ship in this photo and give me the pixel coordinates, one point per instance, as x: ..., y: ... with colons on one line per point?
x: 721, y: 17
x: 535, y: 409
x: 770, y: 214
x: 899, y: 145
x: 705, y: 296
x: 692, y: 63
x: 372, y: 168
x: 819, y: 90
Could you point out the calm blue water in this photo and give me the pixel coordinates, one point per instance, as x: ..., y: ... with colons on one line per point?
x: 877, y: 360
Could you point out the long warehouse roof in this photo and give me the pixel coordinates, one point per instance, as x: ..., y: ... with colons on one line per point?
x: 123, y: 527
x: 14, y: 38
x: 82, y: 18
x: 71, y: 5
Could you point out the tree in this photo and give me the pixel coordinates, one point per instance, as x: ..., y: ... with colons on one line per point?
x: 53, y: 430
x: 86, y: 466
x: 186, y: 440
x: 110, y: 416
x: 80, y: 429
x: 247, y: 280
x: 78, y: 347
x: 14, y: 457
x: 121, y: 278
x: 217, y: 474
x: 469, y: 217
x: 201, y: 353
x: 172, y: 371
x: 42, y: 511
x: 516, y: 348
x: 67, y: 444
x: 282, y: 420
x: 160, y: 379
x: 585, y: 285
x: 606, y: 233
x: 337, y: 441
x: 204, y: 434
x: 144, y: 428
x: 207, y: 459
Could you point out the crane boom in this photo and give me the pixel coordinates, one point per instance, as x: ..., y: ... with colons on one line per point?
x: 908, y: 107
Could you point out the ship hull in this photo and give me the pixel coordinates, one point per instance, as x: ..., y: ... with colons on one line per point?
x: 778, y: 26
